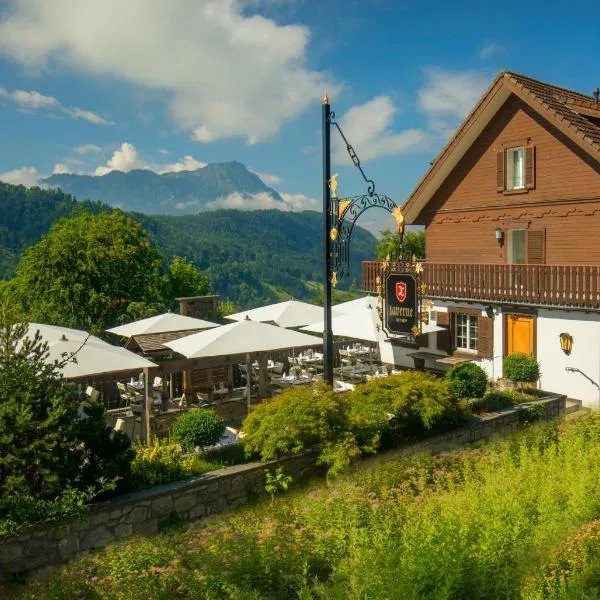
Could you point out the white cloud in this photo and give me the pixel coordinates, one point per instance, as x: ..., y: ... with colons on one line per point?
x: 368, y: 128
x: 87, y: 115
x: 187, y: 163
x: 268, y: 178
x: 87, y: 149
x: 262, y: 200
x: 32, y: 101
x: 27, y: 176
x: 163, y: 151
x: 60, y: 169
x: 251, y: 78
x: 450, y: 94
x: 126, y: 158
x: 489, y: 50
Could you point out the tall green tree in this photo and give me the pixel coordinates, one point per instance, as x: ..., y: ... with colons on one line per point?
x: 413, y: 244
x: 46, y: 442
x: 90, y: 272
x: 184, y: 279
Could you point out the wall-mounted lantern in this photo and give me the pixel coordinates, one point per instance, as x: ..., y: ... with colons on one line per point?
x: 499, y: 235
x: 566, y: 342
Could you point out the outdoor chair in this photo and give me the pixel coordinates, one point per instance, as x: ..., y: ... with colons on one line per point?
x: 203, y: 399
x: 92, y: 394
x: 124, y: 394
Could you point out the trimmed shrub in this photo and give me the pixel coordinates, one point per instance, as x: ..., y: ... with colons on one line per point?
x: 297, y: 418
x: 198, y: 427
x: 497, y: 400
x: 520, y: 368
x: 468, y: 380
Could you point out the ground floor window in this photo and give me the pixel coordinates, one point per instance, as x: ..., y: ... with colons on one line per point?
x: 467, y: 332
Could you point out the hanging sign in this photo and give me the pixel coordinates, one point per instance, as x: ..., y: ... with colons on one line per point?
x: 401, y: 313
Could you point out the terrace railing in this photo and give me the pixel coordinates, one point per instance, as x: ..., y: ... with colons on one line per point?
x: 575, y: 286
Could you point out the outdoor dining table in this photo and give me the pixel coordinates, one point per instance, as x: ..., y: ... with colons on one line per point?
x: 291, y: 380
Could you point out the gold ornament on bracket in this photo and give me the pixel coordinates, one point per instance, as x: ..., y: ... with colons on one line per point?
x: 399, y: 217
x: 333, y: 185
x: 425, y: 317
x: 415, y: 330
x: 334, y: 279
x: 333, y: 234
x: 428, y: 304
x: 423, y: 289
x: 418, y: 268
x: 343, y: 206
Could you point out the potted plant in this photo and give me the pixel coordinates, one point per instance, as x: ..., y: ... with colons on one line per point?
x: 521, y: 368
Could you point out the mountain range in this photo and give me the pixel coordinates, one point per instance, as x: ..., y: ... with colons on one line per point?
x: 181, y: 193
x: 251, y: 258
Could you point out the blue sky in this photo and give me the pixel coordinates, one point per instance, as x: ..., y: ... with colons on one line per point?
x: 91, y: 85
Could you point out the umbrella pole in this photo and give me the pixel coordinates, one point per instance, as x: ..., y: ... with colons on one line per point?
x: 248, y: 379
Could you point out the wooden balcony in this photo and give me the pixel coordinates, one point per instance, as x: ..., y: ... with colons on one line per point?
x: 570, y: 286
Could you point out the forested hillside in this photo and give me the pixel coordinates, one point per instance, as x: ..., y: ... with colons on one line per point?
x: 249, y: 257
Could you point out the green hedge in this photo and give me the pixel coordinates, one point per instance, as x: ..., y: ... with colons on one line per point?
x: 198, y: 427
x: 468, y: 380
x: 520, y: 367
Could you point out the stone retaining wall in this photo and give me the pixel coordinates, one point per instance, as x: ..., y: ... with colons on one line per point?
x: 142, y: 513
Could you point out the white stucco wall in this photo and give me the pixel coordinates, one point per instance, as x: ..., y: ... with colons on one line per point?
x: 585, y: 329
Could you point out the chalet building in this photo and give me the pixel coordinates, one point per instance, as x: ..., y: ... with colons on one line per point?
x: 511, y: 208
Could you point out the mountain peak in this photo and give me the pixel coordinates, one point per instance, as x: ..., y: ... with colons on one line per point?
x: 173, y: 193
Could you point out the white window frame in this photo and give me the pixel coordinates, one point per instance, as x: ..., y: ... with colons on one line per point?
x: 468, y: 320
x: 513, y: 183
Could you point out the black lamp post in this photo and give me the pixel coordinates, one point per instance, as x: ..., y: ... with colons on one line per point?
x: 327, y: 332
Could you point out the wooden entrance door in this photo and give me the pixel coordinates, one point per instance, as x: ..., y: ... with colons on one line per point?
x: 520, y: 334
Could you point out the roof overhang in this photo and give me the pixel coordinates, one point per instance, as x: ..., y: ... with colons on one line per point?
x: 492, y: 100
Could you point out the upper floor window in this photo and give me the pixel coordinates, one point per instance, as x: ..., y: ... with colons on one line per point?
x: 515, y: 169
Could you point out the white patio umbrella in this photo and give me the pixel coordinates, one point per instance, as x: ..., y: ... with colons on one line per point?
x: 52, y: 333
x: 352, y: 305
x: 95, y: 359
x: 291, y: 313
x: 244, y: 337
x: 362, y: 323
x: 167, y: 322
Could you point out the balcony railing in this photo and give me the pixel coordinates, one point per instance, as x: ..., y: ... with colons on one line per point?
x: 548, y: 285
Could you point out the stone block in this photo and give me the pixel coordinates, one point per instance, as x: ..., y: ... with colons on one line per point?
x: 184, y: 503
x: 118, y: 513
x: 68, y: 546
x: 123, y: 530
x: 161, y: 506
x: 9, y: 553
x: 96, y: 537
x: 146, y: 527
x: 197, y: 512
x: 137, y: 515
x: 97, y: 519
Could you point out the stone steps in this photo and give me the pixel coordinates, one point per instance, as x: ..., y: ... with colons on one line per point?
x: 573, y: 406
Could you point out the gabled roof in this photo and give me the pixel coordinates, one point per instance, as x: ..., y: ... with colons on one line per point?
x: 574, y: 114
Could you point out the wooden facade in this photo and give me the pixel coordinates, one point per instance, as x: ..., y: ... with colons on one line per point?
x: 463, y: 214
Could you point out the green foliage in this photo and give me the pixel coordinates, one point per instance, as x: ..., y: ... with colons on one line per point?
x: 183, y: 280
x: 498, y: 399
x: 486, y: 522
x: 198, y: 427
x: 44, y: 446
x: 413, y: 244
x: 521, y: 368
x: 90, y: 272
x: 346, y: 426
x: 19, y: 512
x: 297, y: 418
x: 468, y: 380
x: 276, y: 482
x: 529, y: 414
x: 163, y: 461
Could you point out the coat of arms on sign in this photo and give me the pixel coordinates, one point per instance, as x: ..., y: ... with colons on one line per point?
x: 401, y: 291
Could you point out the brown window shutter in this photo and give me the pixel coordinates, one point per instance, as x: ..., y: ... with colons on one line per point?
x: 500, y: 171
x: 485, y: 342
x: 442, y: 319
x: 536, y: 247
x: 443, y: 337
x: 530, y: 167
